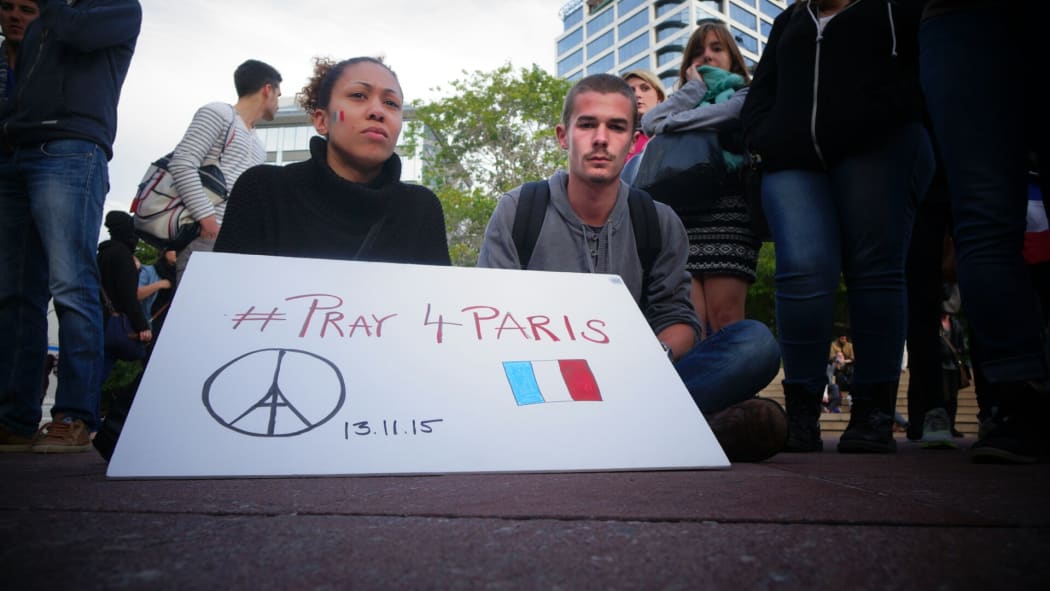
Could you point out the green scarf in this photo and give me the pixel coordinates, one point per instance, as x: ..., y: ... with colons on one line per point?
x: 721, y: 85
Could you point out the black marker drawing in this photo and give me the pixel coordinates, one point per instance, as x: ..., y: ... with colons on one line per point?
x: 275, y: 392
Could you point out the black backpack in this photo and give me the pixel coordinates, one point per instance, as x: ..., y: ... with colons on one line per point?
x: 532, y: 209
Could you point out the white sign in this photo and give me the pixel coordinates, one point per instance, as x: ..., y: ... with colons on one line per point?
x: 272, y: 366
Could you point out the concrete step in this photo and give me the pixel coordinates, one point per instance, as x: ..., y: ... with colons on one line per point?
x: 833, y: 424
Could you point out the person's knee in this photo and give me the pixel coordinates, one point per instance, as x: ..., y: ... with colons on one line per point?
x: 758, y: 346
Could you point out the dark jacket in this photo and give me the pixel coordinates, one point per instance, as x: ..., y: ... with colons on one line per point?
x: 816, y: 99
x: 71, y: 66
x: 306, y: 210
x: 120, y: 279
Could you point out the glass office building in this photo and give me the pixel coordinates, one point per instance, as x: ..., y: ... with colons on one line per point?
x: 614, y: 36
x: 287, y: 139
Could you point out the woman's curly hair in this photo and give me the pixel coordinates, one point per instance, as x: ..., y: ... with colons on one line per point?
x: 318, y: 91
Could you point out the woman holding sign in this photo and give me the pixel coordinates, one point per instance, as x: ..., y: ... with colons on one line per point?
x: 347, y: 201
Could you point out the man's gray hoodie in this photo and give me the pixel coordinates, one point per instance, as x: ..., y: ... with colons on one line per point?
x: 567, y: 244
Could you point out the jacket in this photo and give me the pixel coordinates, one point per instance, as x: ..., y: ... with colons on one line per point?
x: 818, y: 97
x: 71, y: 67
x: 563, y: 246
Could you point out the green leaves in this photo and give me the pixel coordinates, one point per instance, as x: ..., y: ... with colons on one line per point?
x: 491, y: 133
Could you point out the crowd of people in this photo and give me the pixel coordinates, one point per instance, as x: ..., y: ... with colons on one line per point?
x: 860, y: 111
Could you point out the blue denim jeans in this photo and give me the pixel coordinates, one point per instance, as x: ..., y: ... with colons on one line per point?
x: 980, y: 132
x: 51, y: 198
x: 854, y: 219
x: 730, y: 366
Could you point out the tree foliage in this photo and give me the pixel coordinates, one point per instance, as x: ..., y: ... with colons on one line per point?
x: 492, y: 132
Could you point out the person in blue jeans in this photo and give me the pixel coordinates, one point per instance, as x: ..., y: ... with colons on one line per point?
x: 587, y: 228
x: 55, y: 144
x: 835, y: 111
x: 986, y: 131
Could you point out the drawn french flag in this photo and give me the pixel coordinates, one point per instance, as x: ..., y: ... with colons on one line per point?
x: 557, y: 380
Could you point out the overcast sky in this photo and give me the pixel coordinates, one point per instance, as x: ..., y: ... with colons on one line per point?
x: 188, y: 50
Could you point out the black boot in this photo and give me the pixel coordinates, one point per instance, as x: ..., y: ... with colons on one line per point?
x: 803, y: 411
x: 870, y: 428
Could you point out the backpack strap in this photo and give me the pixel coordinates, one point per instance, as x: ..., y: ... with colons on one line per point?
x: 647, y: 237
x: 528, y: 218
x: 231, y: 133
x: 532, y: 209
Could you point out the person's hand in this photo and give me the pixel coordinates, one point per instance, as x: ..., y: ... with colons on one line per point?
x: 691, y: 73
x: 164, y: 284
x: 209, y: 228
x: 146, y: 335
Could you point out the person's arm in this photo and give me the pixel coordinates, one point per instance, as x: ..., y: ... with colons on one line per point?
x: 86, y: 29
x: 670, y: 311
x: 707, y: 116
x: 145, y: 291
x: 497, y: 247
x: 433, y: 236
x: 207, y: 130
x: 762, y: 93
x: 681, y: 101
x: 124, y: 285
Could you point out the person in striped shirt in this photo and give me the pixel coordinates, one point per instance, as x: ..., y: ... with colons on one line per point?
x: 224, y: 134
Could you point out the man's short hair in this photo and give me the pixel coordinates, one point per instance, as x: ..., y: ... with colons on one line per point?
x: 251, y: 76
x: 600, y: 83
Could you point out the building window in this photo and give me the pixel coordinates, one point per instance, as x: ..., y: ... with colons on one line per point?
x: 568, y: 64
x: 745, y: 40
x: 642, y: 64
x: 570, y: 41
x: 668, y: 34
x: 766, y: 29
x: 573, y: 18
x: 603, y: 65
x: 666, y: 8
x: 634, y: 46
x: 626, y: 6
x: 742, y: 16
x: 603, y: 42
x: 599, y: 22
x: 669, y: 58
x: 770, y: 9
x: 633, y: 24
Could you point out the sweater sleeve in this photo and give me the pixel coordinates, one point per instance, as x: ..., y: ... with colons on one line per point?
x: 669, y: 282
x: 762, y: 94
x: 435, y: 240
x: 204, y: 138
x: 657, y: 119
x: 102, y: 25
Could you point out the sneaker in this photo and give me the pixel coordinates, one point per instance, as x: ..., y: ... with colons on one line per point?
x: 936, y: 430
x: 752, y: 430
x: 868, y: 432
x: 62, y: 435
x: 12, y: 442
x: 1009, y: 441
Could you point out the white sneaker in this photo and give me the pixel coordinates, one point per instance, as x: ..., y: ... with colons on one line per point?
x: 937, y: 431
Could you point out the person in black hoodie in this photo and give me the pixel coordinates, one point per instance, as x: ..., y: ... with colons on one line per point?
x: 835, y: 112
x: 120, y: 277
x: 347, y: 201
x: 56, y: 138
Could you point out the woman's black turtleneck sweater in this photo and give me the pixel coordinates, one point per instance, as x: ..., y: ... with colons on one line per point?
x: 306, y: 210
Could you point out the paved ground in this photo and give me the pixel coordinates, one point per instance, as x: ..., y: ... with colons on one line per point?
x: 921, y: 519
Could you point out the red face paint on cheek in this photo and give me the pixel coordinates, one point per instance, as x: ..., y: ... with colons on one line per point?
x: 341, y: 117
